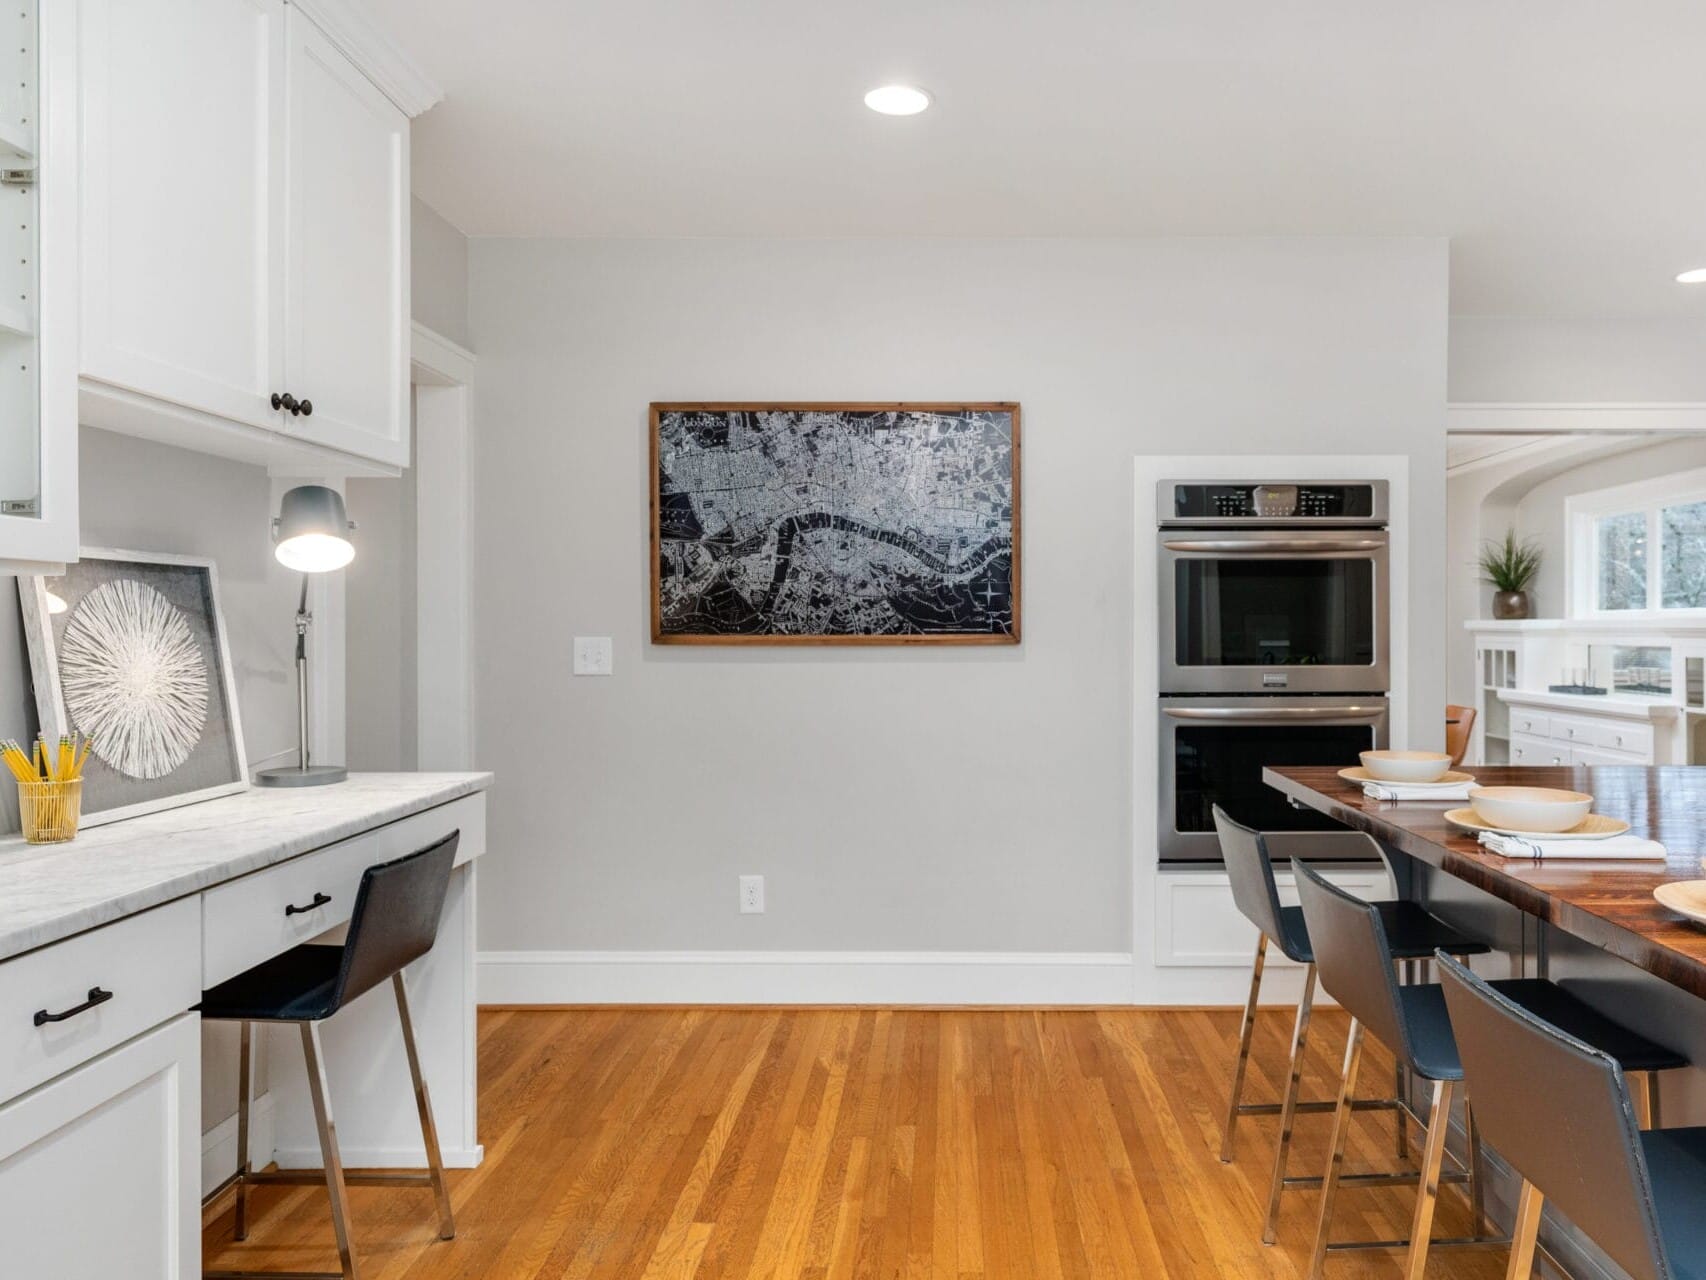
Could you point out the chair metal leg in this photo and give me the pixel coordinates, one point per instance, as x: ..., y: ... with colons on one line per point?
x: 1336, y: 1152
x: 1244, y: 1035
x: 1288, y: 1112
x: 1524, y: 1232
x: 423, y: 1104
x: 1427, y: 1190
x: 240, y: 1230
x: 1477, y: 1180
x: 1401, y: 1080
x: 329, y: 1146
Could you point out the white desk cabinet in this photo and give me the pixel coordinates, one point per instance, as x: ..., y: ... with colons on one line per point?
x: 100, y: 1169
x: 1566, y: 729
x: 245, y: 236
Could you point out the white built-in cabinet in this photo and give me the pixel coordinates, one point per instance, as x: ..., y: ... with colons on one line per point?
x: 100, y: 1168
x: 245, y: 235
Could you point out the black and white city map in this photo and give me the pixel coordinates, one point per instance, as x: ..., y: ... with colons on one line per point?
x: 860, y: 522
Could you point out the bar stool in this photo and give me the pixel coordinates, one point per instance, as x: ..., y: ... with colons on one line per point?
x: 1355, y: 964
x: 394, y: 922
x: 1637, y: 1195
x: 1413, y: 933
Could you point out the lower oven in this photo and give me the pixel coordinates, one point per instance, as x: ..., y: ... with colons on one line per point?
x: 1213, y: 751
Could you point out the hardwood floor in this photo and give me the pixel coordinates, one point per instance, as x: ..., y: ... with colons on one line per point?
x: 976, y: 1145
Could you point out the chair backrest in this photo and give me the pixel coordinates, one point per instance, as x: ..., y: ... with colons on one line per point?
x: 1459, y: 724
x: 1558, y: 1111
x: 1353, y: 958
x: 1251, y: 872
x: 395, y: 920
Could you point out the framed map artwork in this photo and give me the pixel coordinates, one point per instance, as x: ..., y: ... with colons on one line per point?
x: 835, y: 523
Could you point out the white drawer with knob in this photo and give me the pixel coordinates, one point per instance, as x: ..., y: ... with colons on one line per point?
x: 1534, y: 723
x: 1534, y: 752
x: 1615, y: 735
x: 63, y: 1004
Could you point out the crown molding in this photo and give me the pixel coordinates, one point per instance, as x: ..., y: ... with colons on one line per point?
x: 354, y: 30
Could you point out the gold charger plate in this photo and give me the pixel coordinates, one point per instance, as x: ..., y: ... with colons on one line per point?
x: 1596, y: 826
x: 1359, y: 775
x: 1685, y: 897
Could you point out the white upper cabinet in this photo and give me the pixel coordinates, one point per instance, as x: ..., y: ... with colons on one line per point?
x: 182, y: 266
x: 347, y: 274
x: 250, y: 297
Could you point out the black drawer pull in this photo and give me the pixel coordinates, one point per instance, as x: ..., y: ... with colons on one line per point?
x: 320, y: 900
x: 96, y: 996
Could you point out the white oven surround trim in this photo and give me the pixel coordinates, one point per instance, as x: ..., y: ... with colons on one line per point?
x: 1158, y: 975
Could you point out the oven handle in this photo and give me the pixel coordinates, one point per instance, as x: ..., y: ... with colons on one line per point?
x: 1273, y: 546
x: 1275, y: 715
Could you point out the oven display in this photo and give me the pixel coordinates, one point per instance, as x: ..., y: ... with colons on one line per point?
x: 1273, y: 501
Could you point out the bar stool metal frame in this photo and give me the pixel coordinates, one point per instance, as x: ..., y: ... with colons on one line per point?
x: 1357, y: 969
x: 1636, y: 1194
x: 1254, y: 890
x: 394, y: 922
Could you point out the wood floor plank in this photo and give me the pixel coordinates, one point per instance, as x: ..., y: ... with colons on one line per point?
x: 868, y: 1144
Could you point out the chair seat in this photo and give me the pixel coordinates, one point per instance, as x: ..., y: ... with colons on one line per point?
x: 1411, y: 932
x: 1676, y: 1163
x: 1435, y: 1048
x: 299, y: 985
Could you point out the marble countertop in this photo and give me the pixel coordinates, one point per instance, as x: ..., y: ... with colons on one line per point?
x: 49, y: 892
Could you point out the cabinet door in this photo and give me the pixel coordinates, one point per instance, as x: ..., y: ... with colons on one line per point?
x: 182, y: 201
x: 347, y: 257
x: 100, y: 1168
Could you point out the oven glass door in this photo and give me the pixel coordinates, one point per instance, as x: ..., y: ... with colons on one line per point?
x: 1214, y: 753
x: 1291, y: 612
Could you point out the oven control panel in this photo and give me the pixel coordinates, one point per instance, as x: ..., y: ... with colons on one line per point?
x: 1285, y: 503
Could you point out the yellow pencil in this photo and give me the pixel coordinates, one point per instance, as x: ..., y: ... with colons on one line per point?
x: 64, y: 756
x: 36, y: 764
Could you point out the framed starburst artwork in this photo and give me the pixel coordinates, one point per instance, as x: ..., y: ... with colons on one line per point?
x: 128, y: 648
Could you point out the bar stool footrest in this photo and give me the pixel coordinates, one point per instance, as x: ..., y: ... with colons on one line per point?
x: 317, y: 1178
x: 1451, y: 1242
x: 1318, y: 1107
x: 1397, y: 1178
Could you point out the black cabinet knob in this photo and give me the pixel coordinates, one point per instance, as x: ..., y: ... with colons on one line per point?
x: 285, y: 401
x: 306, y: 408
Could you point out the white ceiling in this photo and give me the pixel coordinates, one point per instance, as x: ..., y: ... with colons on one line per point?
x: 1557, y: 142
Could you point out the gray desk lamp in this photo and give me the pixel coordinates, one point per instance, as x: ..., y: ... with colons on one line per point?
x: 311, y: 535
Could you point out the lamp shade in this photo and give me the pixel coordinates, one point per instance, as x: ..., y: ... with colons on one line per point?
x: 312, y: 530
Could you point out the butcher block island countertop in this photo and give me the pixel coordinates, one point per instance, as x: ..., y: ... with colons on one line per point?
x: 1609, y: 904
x: 52, y: 891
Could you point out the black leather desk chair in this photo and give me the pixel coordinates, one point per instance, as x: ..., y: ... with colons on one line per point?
x: 1639, y: 1196
x: 1356, y: 967
x: 1413, y: 933
x: 394, y: 922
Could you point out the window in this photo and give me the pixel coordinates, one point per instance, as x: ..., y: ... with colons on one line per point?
x: 1639, y: 549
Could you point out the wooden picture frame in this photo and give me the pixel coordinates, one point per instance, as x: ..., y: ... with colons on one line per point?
x: 217, y: 763
x: 992, y: 626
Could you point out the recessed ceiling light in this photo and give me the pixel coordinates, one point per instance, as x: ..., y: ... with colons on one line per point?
x: 897, y: 100
x: 1696, y: 276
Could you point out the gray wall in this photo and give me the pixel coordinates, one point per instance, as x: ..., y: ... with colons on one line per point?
x: 438, y: 282
x: 895, y: 799
x: 379, y: 612
x: 1525, y: 359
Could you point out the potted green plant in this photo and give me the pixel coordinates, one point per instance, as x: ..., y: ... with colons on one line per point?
x: 1510, y: 566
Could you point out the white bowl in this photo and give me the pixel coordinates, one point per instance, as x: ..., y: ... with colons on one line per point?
x: 1407, y: 766
x: 1540, y: 809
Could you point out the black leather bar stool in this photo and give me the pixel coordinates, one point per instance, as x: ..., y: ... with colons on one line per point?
x: 1637, y: 1195
x: 1414, y: 934
x: 1356, y: 968
x: 394, y: 922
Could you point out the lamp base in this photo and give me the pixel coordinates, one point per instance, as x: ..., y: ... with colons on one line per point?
x: 315, y: 775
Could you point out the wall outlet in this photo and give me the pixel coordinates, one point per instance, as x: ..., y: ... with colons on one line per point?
x: 592, y: 656
x: 752, y: 895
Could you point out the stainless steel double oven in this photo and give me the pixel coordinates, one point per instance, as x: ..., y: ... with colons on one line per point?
x: 1274, y: 620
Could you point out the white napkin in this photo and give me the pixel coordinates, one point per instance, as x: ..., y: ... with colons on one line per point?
x: 1411, y: 791
x: 1626, y: 847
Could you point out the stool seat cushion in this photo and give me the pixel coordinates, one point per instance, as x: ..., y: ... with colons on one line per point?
x: 1411, y: 932
x: 299, y: 985
x: 1434, y: 1048
x: 1676, y: 1164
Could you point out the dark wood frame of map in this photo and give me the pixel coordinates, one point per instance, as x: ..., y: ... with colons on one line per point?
x: 666, y: 633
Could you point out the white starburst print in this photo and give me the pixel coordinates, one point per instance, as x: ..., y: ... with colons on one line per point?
x: 134, y: 679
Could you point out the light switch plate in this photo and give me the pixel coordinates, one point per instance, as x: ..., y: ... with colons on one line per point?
x: 592, y: 656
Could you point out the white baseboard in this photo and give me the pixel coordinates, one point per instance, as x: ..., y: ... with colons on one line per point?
x: 804, y: 977
x: 379, y: 1157
x: 219, y: 1144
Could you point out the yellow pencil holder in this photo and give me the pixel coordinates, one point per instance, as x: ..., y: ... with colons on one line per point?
x: 49, y: 811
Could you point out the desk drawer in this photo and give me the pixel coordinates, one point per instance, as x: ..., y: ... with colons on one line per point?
x: 1622, y: 735
x: 246, y: 921
x: 1575, y: 729
x: 150, y: 962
